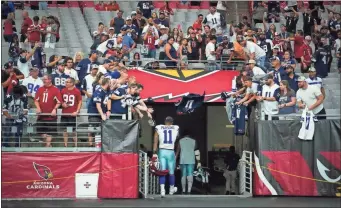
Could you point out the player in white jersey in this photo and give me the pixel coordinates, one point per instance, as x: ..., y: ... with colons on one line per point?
x: 164, y: 140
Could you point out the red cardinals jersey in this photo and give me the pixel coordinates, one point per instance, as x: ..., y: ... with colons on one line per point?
x: 278, y: 43
x: 48, y: 97
x: 72, y: 98
x: 150, y: 42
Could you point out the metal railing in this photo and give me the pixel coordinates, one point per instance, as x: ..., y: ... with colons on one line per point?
x: 245, y: 170
x: 148, y: 182
x: 25, y: 136
x: 220, y: 64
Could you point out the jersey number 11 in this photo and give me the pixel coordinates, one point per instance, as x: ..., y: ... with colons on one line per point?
x: 167, y: 140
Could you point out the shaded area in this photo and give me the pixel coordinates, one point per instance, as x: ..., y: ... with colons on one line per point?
x: 183, y: 202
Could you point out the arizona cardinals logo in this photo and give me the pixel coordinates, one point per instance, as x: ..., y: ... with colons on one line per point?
x: 43, y: 171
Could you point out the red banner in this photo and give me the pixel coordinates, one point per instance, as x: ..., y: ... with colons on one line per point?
x: 170, y: 85
x: 119, y: 175
x: 44, y: 175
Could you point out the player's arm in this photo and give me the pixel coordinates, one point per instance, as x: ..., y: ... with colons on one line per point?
x: 156, y: 142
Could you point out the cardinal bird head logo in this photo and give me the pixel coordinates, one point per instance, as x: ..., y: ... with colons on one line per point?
x: 43, y: 171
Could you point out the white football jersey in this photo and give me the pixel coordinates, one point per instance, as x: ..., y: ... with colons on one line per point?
x: 32, y: 84
x: 214, y: 21
x: 308, y: 126
x: 167, y: 135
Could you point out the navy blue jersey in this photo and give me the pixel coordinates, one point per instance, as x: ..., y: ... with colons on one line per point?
x: 279, y: 75
x: 83, y: 68
x: 99, y: 96
x: 189, y: 103
x: 38, y: 58
x: 59, y: 80
x: 146, y: 8
x: 116, y: 105
x: 266, y: 46
x: 321, y: 64
x: 239, y: 115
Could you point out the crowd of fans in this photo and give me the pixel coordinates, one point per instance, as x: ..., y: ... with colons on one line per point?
x: 101, y: 76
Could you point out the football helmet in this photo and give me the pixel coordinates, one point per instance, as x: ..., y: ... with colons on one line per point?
x: 154, y: 166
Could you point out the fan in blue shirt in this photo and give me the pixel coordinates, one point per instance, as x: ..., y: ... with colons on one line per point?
x: 101, y: 96
x: 84, y: 66
x: 58, y: 77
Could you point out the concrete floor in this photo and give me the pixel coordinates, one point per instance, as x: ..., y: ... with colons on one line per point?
x: 175, y: 201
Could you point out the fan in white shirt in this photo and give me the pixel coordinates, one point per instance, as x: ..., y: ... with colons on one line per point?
x: 210, y: 49
x: 253, y: 51
x: 214, y: 20
x: 111, y: 43
x: 310, y: 96
x: 68, y: 70
x: 33, y: 82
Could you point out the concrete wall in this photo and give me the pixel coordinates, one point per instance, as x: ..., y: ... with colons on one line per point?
x: 217, y: 133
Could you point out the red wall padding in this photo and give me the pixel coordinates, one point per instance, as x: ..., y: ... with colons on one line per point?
x: 119, y: 176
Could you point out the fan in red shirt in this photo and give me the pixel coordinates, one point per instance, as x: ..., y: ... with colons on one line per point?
x: 198, y: 23
x: 24, y: 26
x: 9, y: 28
x: 307, y: 54
x: 149, y: 41
x: 72, y: 103
x: 277, y: 41
x: 34, y: 31
x: 100, y: 6
x: 166, y: 10
x: 47, y: 101
x: 43, y: 26
x: 298, y: 43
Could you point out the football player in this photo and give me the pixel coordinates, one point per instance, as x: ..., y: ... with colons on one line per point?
x: 164, y: 140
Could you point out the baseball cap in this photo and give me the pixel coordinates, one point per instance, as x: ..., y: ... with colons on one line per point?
x: 23, y: 51
x: 61, y: 62
x: 124, y: 28
x: 163, y: 27
x: 301, y: 79
x: 8, y: 65
x: 94, y: 66
x: 275, y: 58
x: 312, y: 69
x: 111, y: 28
x: 161, y: 12
x: 307, y: 37
x: 276, y: 34
x: 133, y: 13
x: 128, y: 18
x: 107, y: 61
x: 169, y: 119
x: 93, y: 51
x: 252, y: 62
x: 119, y: 36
